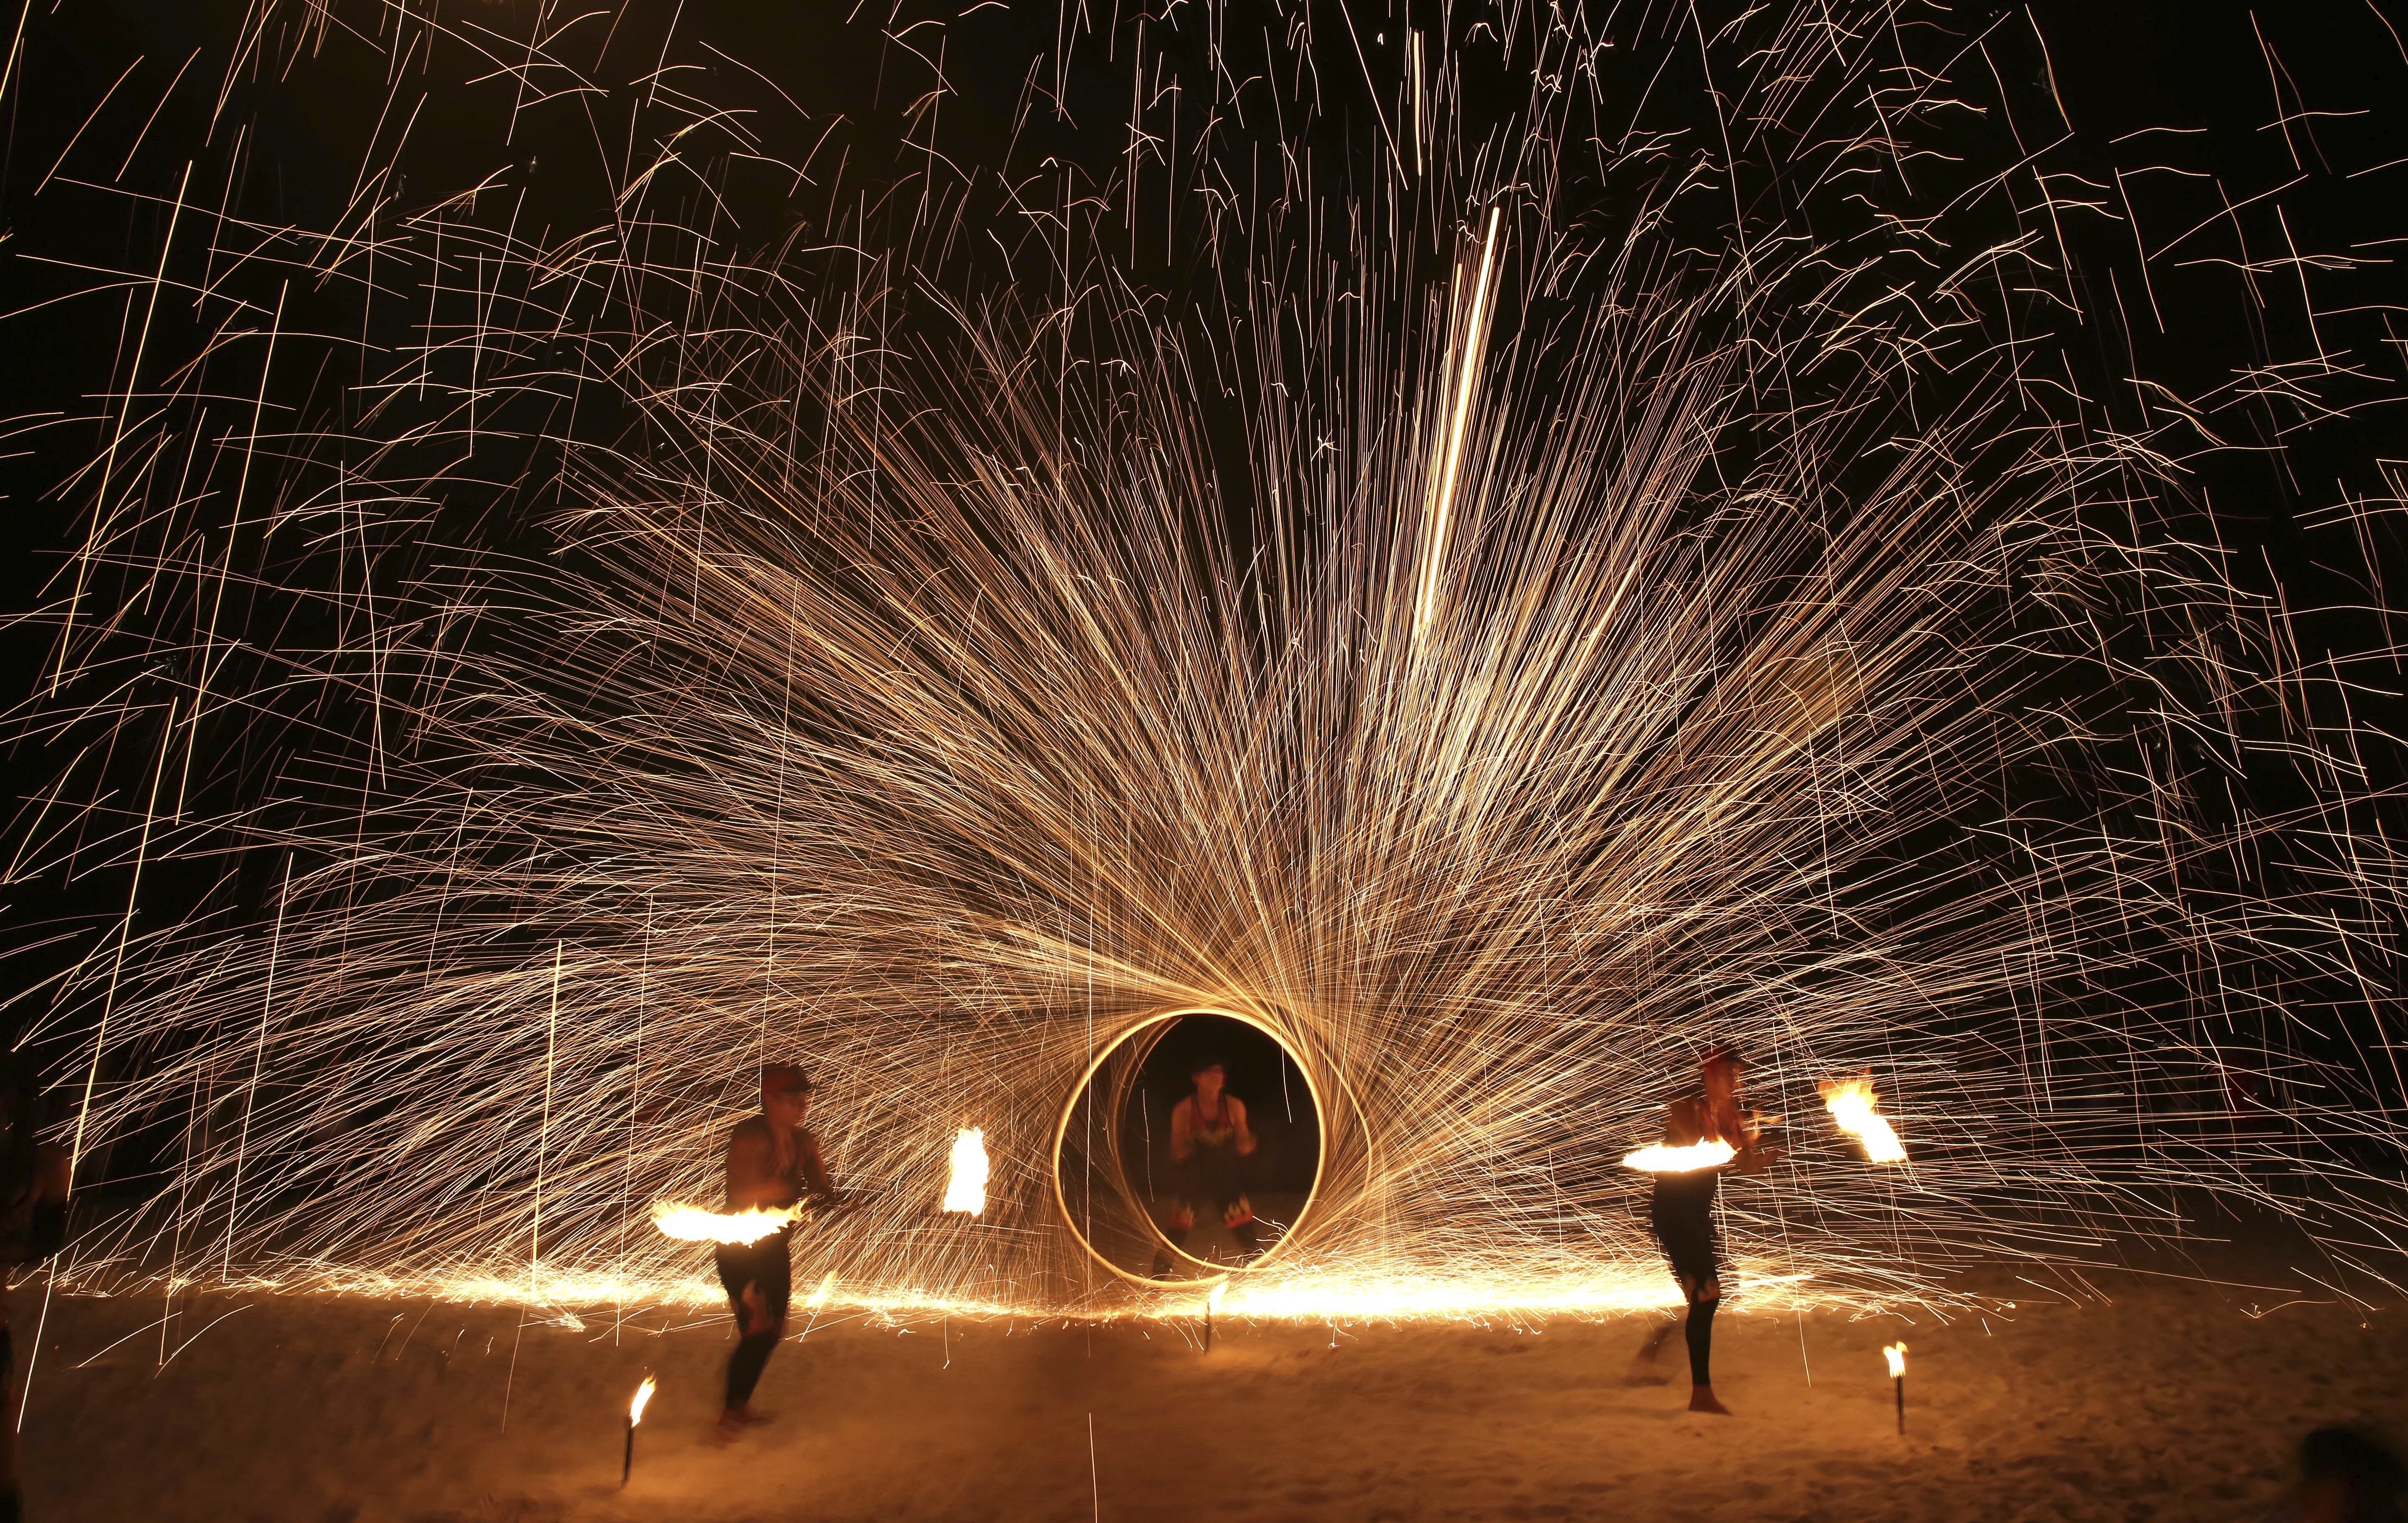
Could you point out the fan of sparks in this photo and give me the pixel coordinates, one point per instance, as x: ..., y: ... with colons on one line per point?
x: 1506, y: 570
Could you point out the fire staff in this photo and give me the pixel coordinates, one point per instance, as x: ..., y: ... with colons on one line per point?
x: 772, y: 1161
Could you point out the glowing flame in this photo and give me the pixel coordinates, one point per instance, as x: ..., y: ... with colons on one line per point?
x: 967, y: 1189
x: 1213, y: 1301
x: 691, y: 1224
x: 1663, y: 1159
x: 1896, y: 1353
x: 643, y: 1396
x: 818, y: 1298
x: 1852, y: 1109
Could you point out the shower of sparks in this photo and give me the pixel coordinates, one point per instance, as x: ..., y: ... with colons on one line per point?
x: 1693, y: 546
x: 966, y: 1181
x: 691, y: 1224
x: 1851, y: 1104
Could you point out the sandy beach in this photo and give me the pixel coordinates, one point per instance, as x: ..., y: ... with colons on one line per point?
x: 2152, y: 1397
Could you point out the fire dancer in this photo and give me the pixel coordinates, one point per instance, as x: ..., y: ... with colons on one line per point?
x: 1684, y: 1210
x: 1207, y: 1136
x: 772, y: 1161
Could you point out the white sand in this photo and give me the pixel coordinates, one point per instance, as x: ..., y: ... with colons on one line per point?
x: 2168, y: 1400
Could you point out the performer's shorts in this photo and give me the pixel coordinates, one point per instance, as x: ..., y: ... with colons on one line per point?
x: 765, y: 1266
x: 1684, y: 1218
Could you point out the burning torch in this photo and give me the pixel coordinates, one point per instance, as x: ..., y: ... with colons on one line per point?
x: 1896, y: 1353
x: 634, y: 1416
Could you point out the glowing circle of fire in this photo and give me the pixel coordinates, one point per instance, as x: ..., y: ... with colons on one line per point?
x: 965, y: 1184
x: 691, y: 1224
x: 1851, y: 1103
x: 1664, y: 1158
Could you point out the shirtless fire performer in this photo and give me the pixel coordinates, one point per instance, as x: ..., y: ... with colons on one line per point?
x: 1683, y: 1212
x: 772, y: 1161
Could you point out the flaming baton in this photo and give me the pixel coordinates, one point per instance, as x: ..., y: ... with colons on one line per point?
x: 634, y: 1416
x: 691, y: 1224
x: 1851, y: 1103
x: 1664, y: 1158
x: 965, y: 1190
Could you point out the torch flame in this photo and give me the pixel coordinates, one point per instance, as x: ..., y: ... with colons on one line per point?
x: 643, y: 1395
x: 818, y: 1298
x: 967, y: 1189
x: 1851, y: 1101
x: 1896, y: 1353
x: 691, y: 1224
x: 1663, y: 1159
x: 1213, y: 1301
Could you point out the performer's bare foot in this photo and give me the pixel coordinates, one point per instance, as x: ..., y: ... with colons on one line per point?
x: 1701, y: 1398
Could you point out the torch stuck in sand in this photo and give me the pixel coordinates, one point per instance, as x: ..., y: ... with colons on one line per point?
x: 634, y: 1416
x: 1896, y: 1353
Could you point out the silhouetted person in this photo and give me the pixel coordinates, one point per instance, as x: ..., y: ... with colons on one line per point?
x: 2345, y: 1476
x: 1683, y: 1212
x: 772, y: 1162
x: 1207, y: 1136
x: 34, y: 1179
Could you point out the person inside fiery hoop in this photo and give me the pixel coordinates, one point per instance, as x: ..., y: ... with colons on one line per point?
x: 1683, y: 1212
x: 1208, y: 1134
x: 772, y: 1161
